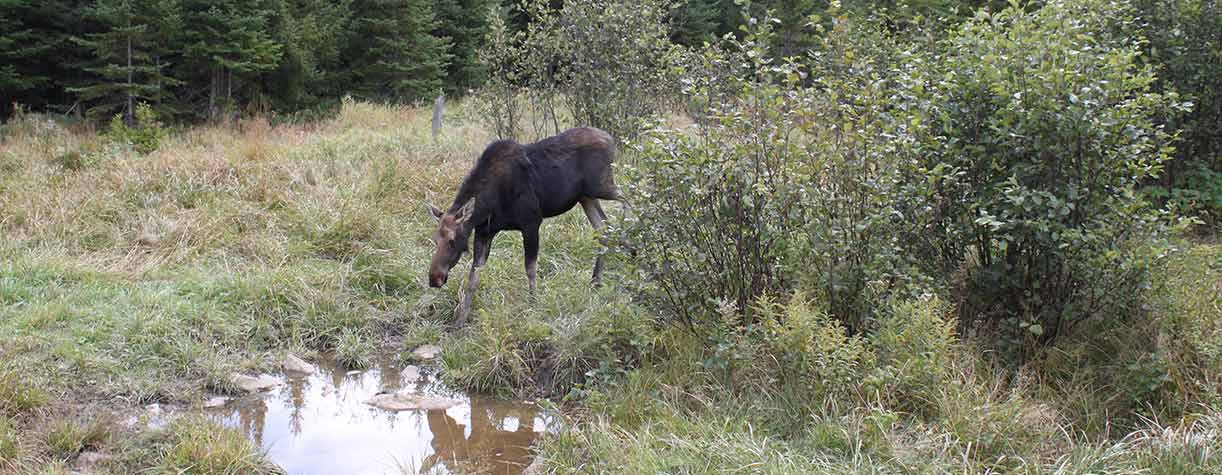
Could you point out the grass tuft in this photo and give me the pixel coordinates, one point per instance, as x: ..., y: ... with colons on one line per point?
x: 68, y: 437
x: 354, y: 350
x: 199, y: 447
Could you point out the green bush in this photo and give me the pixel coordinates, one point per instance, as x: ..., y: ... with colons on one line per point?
x: 600, y: 63
x: 1185, y: 44
x: 144, y: 136
x: 1196, y: 191
x: 617, y: 62
x: 1037, y: 129
x: 788, y: 183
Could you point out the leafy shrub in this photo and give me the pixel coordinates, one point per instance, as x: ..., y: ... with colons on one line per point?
x: 617, y: 62
x: 1185, y: 37
x: 609, y: 62
x: 1038, y: 126
x: 781, y: 187
x: 144, y: 136
x: 1196, y: 191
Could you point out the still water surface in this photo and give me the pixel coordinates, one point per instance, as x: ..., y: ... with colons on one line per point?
x: 320, y: 424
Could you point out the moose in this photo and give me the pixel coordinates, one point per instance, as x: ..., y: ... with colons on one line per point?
x: 514, y: 187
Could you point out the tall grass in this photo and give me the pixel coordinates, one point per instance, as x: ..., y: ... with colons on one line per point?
x: 128, y: 279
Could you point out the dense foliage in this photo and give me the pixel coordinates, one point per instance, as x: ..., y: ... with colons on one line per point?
x: 207, y: 60
x: 1000, y: 165
x: 1185, y: 48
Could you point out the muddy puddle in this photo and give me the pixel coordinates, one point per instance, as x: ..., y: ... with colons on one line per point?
x: 321, y: 424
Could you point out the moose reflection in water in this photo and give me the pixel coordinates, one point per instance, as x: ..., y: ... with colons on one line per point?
x: 491, y: 444
x: 321, y: 424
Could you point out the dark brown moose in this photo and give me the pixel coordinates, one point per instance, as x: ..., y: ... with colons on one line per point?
x: 515, y: 186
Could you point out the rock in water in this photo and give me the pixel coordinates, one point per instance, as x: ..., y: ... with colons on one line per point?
x: 215, y: 402
x: 405, y: 401
x: 297, y: 365
x: 254, y: 384
x: 410, y: 374
x: 427, y: 352
x: 535, y: 467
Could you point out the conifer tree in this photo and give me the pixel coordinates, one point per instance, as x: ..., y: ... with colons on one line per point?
x: 312, y: 34
x: 18, y: 45
x: 35, y: 53
x: 227, y: 45
x: 696, y: 21
x: 129, y: 63
x: 463, y: 22
x: 395, y: 53
x: 795, y: 35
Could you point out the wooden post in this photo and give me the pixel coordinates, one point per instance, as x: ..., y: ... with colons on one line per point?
x: 438, y: 108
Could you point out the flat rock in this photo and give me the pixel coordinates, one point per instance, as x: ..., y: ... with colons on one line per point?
x: 427, y: 352
x: 215, y: 402
x: 152, y: 416
x: 86, y: 463
x: 410, y: 374
x: 254, y: 384
x: 297, y: 365
x: 535, y: 467
x: 405, y: 401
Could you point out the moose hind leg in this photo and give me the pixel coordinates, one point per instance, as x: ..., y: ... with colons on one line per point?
x: 594, y: 212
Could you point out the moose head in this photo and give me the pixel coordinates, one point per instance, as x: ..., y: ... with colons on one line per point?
x: 451, y: 240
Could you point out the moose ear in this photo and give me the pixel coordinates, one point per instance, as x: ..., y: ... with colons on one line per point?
x: 465, y: 212
x: 436, y: 213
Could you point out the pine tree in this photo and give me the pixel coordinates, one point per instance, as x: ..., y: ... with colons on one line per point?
x: 35, y: 53
x: 794, y: 34
x: 128, y: 64
x: 312, y: 34
x: 696, y: 21
x: 395, y: 54
x: 463, y: 23
x: 18, y: 46
x: 229, y: 43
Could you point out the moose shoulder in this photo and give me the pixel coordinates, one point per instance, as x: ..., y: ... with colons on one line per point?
x: 514, y: 187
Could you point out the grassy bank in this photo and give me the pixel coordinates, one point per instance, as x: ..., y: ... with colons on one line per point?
x: 129, y: 279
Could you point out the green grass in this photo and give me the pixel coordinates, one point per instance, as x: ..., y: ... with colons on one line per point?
x: 126, y: 280
x: 67, y: 438
x: 198, y: 446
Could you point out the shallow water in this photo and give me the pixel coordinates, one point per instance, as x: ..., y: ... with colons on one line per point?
x: 320, y: 424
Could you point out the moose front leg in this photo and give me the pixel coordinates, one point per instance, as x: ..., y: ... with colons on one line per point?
x: 530, y: 244
x: 483, y: 244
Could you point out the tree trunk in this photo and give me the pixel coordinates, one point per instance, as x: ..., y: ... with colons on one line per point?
x: 212, y: 96
x: 130, y: 109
